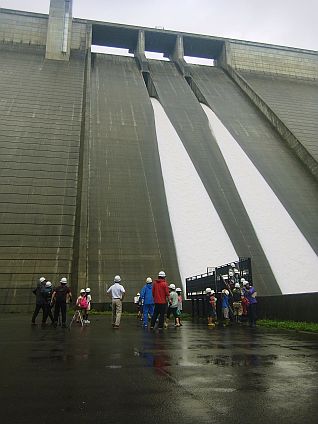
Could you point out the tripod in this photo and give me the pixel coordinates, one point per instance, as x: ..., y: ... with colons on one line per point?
x: 77, y: 317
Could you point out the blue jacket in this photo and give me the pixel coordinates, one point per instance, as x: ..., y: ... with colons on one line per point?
x: 146, y: 294
x: 225, y: 301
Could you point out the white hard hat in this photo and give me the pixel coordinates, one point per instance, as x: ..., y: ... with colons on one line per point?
x: 63, y: 280
x: 232, y: 264
x: 82, y: 291
x: 178, y: 289
x: 242, y: 279
x: 117, y: 279
x: 48, y: 284
x: 42, y: 279
x: 149, y: 280
x: 172, y: 287
x: 88, y: 290
x: 208, y: 290
x: 245, y: 282
x: 237, y: 285
x: 138, y: 294
x: 162, y: 274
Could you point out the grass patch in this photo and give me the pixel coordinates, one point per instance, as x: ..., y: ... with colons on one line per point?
x: 290, y: 325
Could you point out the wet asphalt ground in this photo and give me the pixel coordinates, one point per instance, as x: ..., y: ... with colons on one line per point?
x: 192, y: 374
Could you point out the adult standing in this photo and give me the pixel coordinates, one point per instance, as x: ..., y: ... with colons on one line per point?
x: 61, y: 294
x: 47, y: 295
x: 250, y: 294
x: 39, y: 299
x: 117, y: 293
x: 160, y: 292
x: 148, y: 301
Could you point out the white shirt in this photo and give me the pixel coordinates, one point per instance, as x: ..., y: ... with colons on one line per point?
x: 116, y: 290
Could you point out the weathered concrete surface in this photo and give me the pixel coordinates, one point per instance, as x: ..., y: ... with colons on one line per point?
x: 192, y: 374
x: 129, y: 231
x: 40, y: 125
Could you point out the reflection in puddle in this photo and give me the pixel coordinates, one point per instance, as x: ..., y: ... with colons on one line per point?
x: 113, y: 366
x: 61, y: 357
x: 240, y: 360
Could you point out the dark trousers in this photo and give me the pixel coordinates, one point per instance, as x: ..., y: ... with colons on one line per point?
x: 60, y: 306
x: 252, y: 313
x: 47, y: 312
x: 36, y: 312
x: 160, y: 309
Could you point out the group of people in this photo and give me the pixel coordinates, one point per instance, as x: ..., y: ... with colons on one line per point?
x: 48, y: 297
x: 157, y: 301
x: 238, y: 302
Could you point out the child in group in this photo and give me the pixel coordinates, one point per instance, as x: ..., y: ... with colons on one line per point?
x: 179, y: 309
x: 139, y: 306
x: 89, y: 299
x: 245, y: 301
x: 173, y: 306
x: 250, y: 294
x: 81, y: 303
x: 225, y: 306
x: 211, y: 306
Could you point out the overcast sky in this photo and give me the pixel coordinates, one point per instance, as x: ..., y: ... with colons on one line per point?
x: 285, y: 22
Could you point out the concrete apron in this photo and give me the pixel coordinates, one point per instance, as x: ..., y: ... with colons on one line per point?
x: 193, y: 374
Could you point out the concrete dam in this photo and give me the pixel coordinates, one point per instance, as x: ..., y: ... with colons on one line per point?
x: 85, y: 187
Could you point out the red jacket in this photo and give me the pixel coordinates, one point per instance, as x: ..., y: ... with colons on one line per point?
x: 160, y: 291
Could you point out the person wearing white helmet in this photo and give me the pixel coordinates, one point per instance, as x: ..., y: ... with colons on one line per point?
x: 89, y: 299
x: 237, y: 302
x: 139, y: 308
x: 250, y: 294
x: 61, y: 295
x: 47, y: 294
x: 160, y: 293
x: 225, y: 306
x: 211, y: 306
x: 147, y: 300
x: 173, y: 306
x: 39, y: 300
x: 81, y: 301
x: 117, y: 293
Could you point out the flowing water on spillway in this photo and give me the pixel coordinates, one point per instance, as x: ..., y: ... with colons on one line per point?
x: 199, y: 235
x: 293, y: 261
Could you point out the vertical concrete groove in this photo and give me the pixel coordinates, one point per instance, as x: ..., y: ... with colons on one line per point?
x: 287, y: 135
x: 80, y: 246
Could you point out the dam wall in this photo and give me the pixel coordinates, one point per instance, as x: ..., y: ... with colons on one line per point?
x: 81, y: 189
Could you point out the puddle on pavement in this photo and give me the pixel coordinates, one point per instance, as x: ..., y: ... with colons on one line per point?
x: 239, y: 360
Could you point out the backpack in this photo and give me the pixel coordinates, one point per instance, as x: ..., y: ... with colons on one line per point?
x: 83, y: 303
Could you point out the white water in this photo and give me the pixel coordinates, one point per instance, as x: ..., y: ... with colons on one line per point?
x: 199, y: 236
x: 293, y: 261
